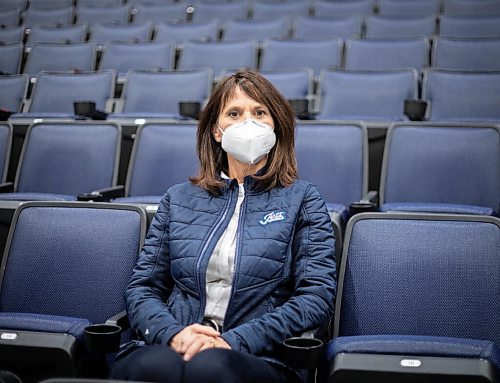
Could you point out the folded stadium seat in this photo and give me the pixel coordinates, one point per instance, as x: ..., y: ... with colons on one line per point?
x: 182, y: 32
x: 149, y: 94
x: 334, y: 156
x: 5, y: 145
x: 56, y: 34
x: 13, y: 4
x: 378, y: 26
x: 408, y: 7
x: 221, y: 11
x: 313, y: 53
x: 53, y: 17
x: 366, y: 95
x: 466, y: 54
x: 442, y: 168
x: 91, y: 15
x: 163, y: 155
x: 256, y: 29
x: 11, y: 35
x: 14, y: 88
x: 263, y: 9
x: 462, y: 96
x: 65, y: 267
x: 60, y: 161
x: 219, y: 56
x: 471, y: 7
x: 10, y: 58
x: 387, y: 53
x: 417, y: 300
x: 60, y: 57
x: 10, y: 17
x: 50, y: 4
x: 103, y: 33
x: 160, y: 13
x: 123, y: 57
x: 54, y: 93
x: 469, y: 26
x: 327, y: 27
x: 322, y: 8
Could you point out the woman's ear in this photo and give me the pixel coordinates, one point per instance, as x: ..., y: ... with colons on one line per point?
x: 216, y: 133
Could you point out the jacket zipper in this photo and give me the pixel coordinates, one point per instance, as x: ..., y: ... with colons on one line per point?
x: 203, y: 251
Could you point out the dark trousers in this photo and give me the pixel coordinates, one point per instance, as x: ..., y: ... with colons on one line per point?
x: 162, y: 364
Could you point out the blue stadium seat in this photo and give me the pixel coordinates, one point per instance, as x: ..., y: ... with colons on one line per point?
x: 5, y: 146
x: 462, y: 96
x: 417, y: 300
x: 13, y: 4
x: 377, y: 26
x: 94, y: 15
x: 469, y: 26
x: 323, y: 8
x: 50, y: 4
x: 438, y: 168
x: 53, y: 17
x: 220, y: 10
x: 408, y: 7
x: 59, y: 161
x: 263, y: 9
x: 256, y: 29
x: 466, y: 54
x: 56, y: 34
x: 9, y: 17
x: 182, y: 32
x: 163, y: 155
x: 103, y: 33
x: 66, y: 267
x: 293, y: 84
x: 11, y: 35
x: 471, y: 7
x: 322, y: 27
x: 13, y: 94
x: 366, y: 95
x: 173, y: 12
x: 10, y: 58
x: 101, y: 3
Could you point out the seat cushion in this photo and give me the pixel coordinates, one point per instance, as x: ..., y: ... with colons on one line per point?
x: 436, y: 208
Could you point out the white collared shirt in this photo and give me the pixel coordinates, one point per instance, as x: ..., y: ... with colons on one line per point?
x: 220, y: 269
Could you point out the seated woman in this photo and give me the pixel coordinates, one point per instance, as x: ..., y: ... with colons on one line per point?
x: 238, y: 259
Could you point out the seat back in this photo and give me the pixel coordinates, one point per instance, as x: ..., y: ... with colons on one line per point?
x: 466, y: 54
x: 439, y: 163
x: 324, y: 8
x: 321, y: 27
x: 379, y: 26
x: 10, y: 58
x: 469, y: 26
x: 471, y: 8
x: 416, y: 274
x: 334, y: 156
x: 180, y: 33
x: 366, y: 95
x: 163, y: 155
x: 69, y: 158
x: 409, y: 8
x: 13, y: 93
x: 60, y: 57
x: 161, y: 92
x: 50, y: 4
x: 257, y: 30
x: 59, y: 34
x: 93, y: 15
x: 53, y: 17
x: 70, y: 259
x: 56, y: 92
x: 462, y: 96
x: 159, y: 13
x: 11, y: 35
x: 292, y: 83
x: 375, y: 54
x: 220, y: 10
x: 9, y: 17
x: 262, y: 9
x: 103, y: 33
x: 5, y: 146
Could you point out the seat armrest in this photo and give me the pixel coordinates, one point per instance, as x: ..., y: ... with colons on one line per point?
x: 371, y: 196
x: 105, y: 337
x: 103, y: 195
x: 7, y: 187
x: 120, y: 319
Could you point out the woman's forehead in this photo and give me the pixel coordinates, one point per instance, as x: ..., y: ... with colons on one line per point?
x: 238, y: 96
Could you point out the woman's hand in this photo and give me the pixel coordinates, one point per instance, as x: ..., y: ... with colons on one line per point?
x: 196, y: 338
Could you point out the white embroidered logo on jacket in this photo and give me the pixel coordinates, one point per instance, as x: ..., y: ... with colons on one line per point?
x: 272, y: 217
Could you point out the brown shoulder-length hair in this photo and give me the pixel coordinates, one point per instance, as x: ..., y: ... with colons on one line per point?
x: 281, y: 167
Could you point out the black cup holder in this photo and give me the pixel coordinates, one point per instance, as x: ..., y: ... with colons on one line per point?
x: 415, y: 109
x: 84, y: 108
x: 301, y: 352
x: 300, y: 108
x: 103, y: 338
x: 190, y: 109
x: 362, y: 207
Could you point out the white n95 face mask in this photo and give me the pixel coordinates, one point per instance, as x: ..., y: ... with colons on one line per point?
x: 248, y: 141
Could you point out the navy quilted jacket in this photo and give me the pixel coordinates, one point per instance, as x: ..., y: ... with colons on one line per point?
x: 284, y: 278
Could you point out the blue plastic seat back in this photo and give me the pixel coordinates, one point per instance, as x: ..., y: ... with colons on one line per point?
x: 60, y: 57
x: 469, y: 26
x: 123, y: 57
x: 334, y: 157
x: 366, y: 95
x: 258, y: 30
x: 322, y: 27
x: 442, y: 164
x: 60, y: 34
x: 94, y: 15
x: 420, y: 275
x: 50, y: 4
x: 375, y: 54
x: 343, y: 8
x: 13, y: 4
x: 462, y: 96
x: 69, y: 158
x: 58, y: 16
x: 10, y: 58
x: 471, y: 8
x: 466, y: 54
x: 11, y: 35
x: 13, y: 92
x: 71, y: 261
x: 221, y: 11
x: 378, y: 26
x: 161, y: 92
x: 218, y: 56
x: 5, y: 145
x: 56, y: 92
x: 316, y: 54
x: 10, y: 17
x: 163, y: 155
x: 159, y: 13
x: 262, y: 9
x: 203, y: 31
x: 406, y: 8
x: 292, y: 83
x: 100, y: 3
x: 103, y: 33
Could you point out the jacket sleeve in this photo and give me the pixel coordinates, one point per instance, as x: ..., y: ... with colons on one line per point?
x: 151, y: 284
x: 314, y: 273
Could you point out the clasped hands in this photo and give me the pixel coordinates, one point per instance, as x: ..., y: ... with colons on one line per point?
x: 195, y: 338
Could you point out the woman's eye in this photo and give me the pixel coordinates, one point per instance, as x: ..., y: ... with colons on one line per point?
x: 233, y: 113
x: 260, y: 113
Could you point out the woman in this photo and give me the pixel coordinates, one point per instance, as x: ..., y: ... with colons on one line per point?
x: 238, y: 259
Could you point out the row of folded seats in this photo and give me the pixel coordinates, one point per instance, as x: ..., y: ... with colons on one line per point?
x: 357, y: 95
x: 63, y: 12
x: 417, y: 296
